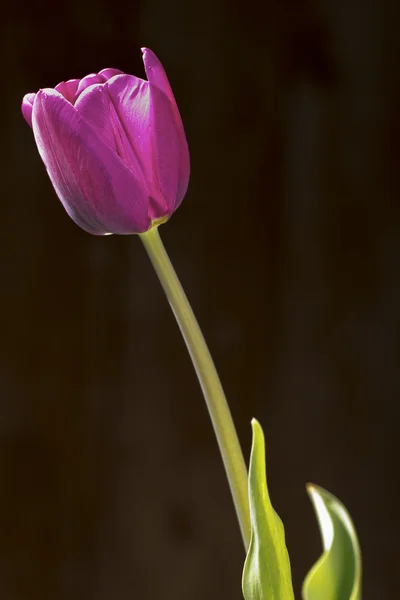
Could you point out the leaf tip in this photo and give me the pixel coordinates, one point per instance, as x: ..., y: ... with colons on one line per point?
x: 255, y: 425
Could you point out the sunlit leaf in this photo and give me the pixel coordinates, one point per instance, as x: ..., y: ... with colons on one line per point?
x: 337, y: 573
x: 266, y: 574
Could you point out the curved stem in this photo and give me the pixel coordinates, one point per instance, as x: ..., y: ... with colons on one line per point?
x: 210, y: 383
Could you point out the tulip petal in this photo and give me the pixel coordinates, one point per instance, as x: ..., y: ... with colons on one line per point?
x: 106, y: 74
x: 149, y: 121
x: 95, y: 187
x: 85, y: 82
x: 171, y: 148
x: 27, y: 107
x: 68, y: 89
x: 166, y: 146
x: 156, y: 74
x: 125, y: 130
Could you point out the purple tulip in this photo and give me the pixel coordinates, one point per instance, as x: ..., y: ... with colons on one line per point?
x: 114, y: 147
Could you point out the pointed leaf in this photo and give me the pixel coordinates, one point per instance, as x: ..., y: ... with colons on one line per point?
x: 337, y: 573
x: 266, y: 574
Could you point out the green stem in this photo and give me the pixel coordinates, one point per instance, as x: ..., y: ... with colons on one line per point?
x: 210, y: 383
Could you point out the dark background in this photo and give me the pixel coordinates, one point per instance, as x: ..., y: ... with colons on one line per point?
x: 288, y: 247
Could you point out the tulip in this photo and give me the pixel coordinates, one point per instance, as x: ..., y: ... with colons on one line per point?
x: 114, y: 147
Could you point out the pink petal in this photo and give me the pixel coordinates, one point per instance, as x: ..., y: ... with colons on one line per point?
x: 155, y: 73
x: 68, y: 89
x: 106, y: 74
x: 166, y: 146
x: 172, y: 152
x: 119, y: 112
x: 96, y: 188
x: 84, y: 83
x: 157, y: 141
x: 27, y: 107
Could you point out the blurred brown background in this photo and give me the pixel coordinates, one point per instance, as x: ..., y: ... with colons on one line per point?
x: 288, y: 247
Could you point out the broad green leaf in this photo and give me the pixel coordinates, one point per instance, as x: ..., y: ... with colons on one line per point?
x: 337, y: 573
x: 266, y: 573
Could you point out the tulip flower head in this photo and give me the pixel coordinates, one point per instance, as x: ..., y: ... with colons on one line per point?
x: 114, y: 147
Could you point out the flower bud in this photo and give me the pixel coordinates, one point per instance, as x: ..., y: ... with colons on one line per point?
x: 114, y: 147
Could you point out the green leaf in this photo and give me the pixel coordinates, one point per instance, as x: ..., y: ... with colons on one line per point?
x: 337, y: 573
x: 266, y: 573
